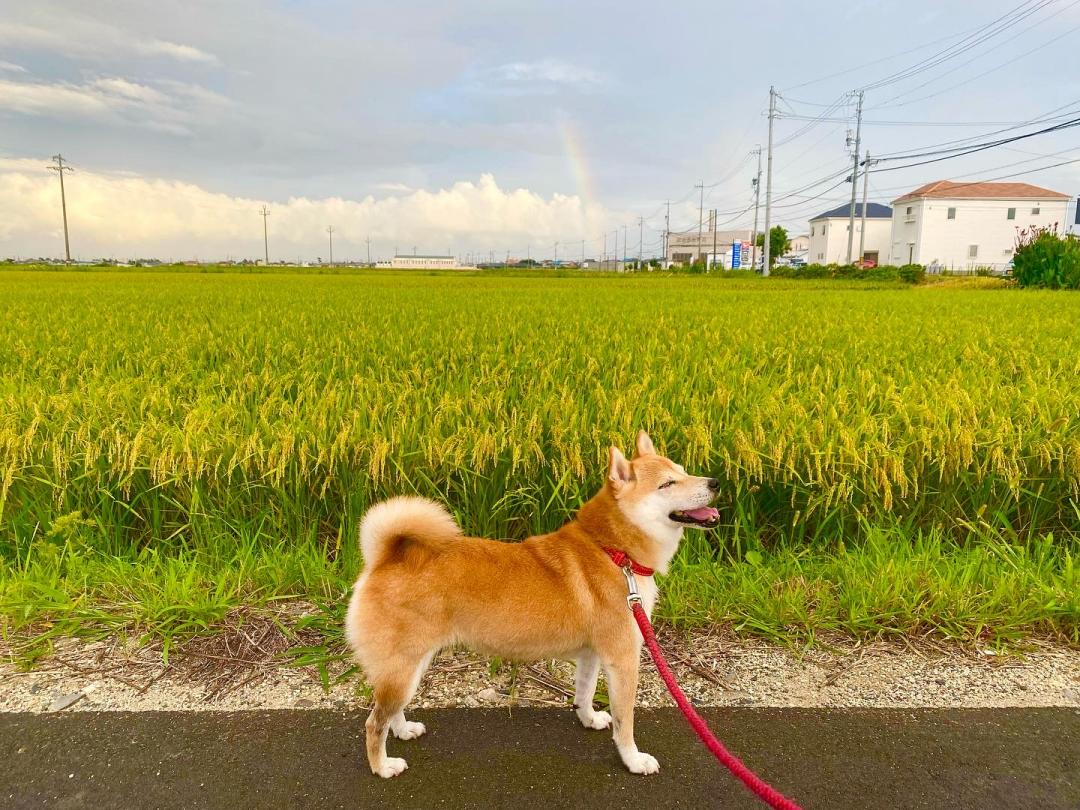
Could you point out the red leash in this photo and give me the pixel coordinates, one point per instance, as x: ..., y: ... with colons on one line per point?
x: 762, y: 789
x: 766, y: 792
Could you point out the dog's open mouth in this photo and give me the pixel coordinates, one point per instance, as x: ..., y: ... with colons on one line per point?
x: 704, y: 517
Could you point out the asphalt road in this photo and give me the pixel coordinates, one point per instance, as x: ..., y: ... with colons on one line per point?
x: 541, y: 758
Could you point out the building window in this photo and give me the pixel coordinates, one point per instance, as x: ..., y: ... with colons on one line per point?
x: 951, y: 213
x: 908, y: 210
x: 811, y: 230
x: 1011, y: 214
x: 1035, y: 211
x: 973, y: 251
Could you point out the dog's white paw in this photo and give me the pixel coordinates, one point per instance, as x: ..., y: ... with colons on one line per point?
x: 640, y: 762
x: 391, y: 767
x: 408, y: 730
x: 595, y: 720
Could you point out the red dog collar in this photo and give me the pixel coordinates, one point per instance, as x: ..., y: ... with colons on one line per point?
x: 622, y: 559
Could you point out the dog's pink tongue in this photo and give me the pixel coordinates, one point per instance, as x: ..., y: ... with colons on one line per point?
x: 703, y: 513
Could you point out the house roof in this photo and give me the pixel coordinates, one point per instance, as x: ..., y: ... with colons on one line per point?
x: 981, y: 191
x: 873, y: 211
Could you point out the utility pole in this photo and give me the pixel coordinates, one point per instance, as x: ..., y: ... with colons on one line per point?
x: 616, y: 248
x: 266, y: 244
x: 582, y: 252
x: 330, y: 230
x: 854, y: 176
x: 641, y: 240
x: 766, y: 258
x: 60, y: 168
x: 714, y: 234
x: 604, y: 260
x: 757, y: 201
x: 700, y: 215
x: 625, y: 247
x: 555, y: 261
x: 368, y: 240
x: 865, y: 184
x: 667, y: 231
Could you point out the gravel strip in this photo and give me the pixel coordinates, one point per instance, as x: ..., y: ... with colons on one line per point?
x: 119, y: 675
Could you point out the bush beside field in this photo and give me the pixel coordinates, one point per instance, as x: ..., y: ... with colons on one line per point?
x: 908, y: 273
x: 172, y: 446
x: 1043, y: 258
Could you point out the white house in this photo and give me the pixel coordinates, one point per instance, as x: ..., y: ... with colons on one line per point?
x: 829, y: 234
x: 964, y: 226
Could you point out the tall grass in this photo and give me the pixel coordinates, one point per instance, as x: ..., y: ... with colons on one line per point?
x: 172, y: 420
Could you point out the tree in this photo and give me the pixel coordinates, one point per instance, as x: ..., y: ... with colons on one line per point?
x: 779, y: 244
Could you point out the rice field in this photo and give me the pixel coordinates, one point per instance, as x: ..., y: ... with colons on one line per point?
x: 172, y: 445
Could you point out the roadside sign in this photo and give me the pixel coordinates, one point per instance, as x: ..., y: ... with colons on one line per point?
x: 736, y: 255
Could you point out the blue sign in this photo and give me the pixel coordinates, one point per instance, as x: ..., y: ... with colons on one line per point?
x: 736, y: 255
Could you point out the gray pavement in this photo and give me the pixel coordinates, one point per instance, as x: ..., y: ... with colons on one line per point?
x: 492, y: 758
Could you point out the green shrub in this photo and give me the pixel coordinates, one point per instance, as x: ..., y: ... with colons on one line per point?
x: 1045, y: 259
x: 909, y: 273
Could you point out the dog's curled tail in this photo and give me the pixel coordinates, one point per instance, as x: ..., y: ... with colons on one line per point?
x: 405, y: 518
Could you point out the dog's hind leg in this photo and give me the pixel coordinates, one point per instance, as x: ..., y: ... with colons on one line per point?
x: 392, y: 685
x: 400, y: 727
x: 588, y: 669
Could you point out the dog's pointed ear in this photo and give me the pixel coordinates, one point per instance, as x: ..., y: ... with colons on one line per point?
x: 644, y: 444
x: 619, y: 471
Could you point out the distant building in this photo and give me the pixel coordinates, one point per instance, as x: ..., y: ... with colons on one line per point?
x: 829, y: 234
x: 963, y: 226
x: 419, y: 262
x: 715, y: 246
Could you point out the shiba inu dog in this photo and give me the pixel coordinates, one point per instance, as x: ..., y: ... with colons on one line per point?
x: 425, y: 586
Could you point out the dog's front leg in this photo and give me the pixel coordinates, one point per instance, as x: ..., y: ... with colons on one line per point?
x: 622, y: 676
x: 588, y: 669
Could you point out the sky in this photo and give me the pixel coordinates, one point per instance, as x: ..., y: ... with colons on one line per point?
x: 488, y: 129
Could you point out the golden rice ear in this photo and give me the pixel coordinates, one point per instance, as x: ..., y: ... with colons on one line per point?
x: 644, y: 444
x: 619, y: 471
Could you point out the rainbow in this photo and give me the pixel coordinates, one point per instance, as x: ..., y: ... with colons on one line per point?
x: 579, y: 166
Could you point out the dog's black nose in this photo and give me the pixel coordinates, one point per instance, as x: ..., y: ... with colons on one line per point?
x: 714, y: 484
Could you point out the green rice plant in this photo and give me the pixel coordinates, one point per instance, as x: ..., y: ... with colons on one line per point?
x: 172, y: 445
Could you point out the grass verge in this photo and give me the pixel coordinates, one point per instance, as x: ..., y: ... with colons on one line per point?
x: 989, y: 589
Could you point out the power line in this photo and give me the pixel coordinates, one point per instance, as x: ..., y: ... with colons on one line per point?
x: 890, y: 57
x: 999, y: 66
x: 981, y: 35
x: 955, y: 153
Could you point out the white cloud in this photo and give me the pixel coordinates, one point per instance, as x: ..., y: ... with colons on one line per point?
x: 123, y: 215
x: 393, y: 187
x: 90, y: 38
x: 110, y: 99
x: 548, y: 70
x: 542, y: 77
x: 11, y: 67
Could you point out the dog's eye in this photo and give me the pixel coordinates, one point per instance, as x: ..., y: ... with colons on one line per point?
x: 666, y: 484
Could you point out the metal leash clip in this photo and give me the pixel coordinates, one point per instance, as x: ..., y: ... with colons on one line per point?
x: 631, y: 584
